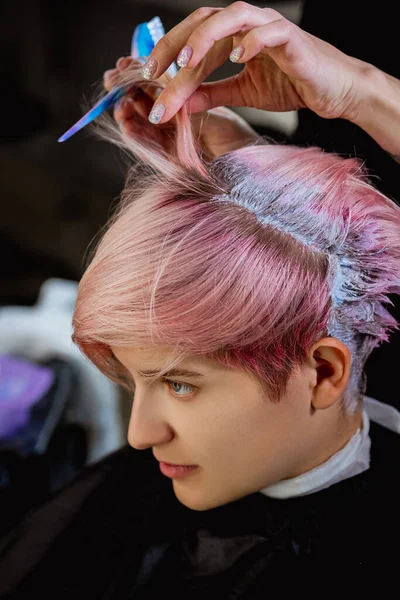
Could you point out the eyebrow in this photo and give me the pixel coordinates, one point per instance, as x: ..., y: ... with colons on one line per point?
x: 172, y: 373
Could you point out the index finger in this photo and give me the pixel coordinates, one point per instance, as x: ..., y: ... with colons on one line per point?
x: 168, y: 48
x: 214, y: 33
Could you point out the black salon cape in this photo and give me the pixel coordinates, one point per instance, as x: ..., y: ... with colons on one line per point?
x: 118, y: 532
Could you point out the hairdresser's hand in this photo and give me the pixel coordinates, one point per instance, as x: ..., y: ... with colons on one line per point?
x: 218, y: 130
x: 285, y: 68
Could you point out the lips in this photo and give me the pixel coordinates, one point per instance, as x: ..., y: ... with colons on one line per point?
x: 174, y: 464
x: 177, y: 471
x: 171, y: 464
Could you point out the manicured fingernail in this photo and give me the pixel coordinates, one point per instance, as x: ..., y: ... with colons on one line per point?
x: 157, y: 113
x: 119, y: 104
x: 184, y: 56
x: 150, y: 68
x: 236, y: 54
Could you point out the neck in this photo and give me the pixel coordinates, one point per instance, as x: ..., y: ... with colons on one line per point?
x: 350, y: 458
x: 345, y: 426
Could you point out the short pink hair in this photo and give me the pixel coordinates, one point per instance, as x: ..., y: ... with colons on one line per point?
x: 248, y: 260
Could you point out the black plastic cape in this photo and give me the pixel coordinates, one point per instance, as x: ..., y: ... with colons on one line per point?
x: 118, y: 532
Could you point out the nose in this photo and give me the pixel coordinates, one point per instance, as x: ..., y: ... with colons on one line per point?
x: 148, y: 426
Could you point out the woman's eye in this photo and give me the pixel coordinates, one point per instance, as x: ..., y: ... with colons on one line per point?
x: 180, y: 389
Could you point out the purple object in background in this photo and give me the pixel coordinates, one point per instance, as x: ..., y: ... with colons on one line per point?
x: 22, y: 384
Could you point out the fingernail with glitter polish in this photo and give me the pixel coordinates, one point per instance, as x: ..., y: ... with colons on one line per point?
x: 150, y: 68
x: 184, y: 56
x: 236, y: 54
x: 157, y: 113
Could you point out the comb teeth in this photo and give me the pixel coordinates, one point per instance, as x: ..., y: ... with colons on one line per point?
x: 156, y: 29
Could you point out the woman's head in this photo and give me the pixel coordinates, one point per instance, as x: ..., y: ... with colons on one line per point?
x: 268, y: 267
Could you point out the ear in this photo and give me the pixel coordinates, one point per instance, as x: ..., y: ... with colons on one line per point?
x: 331, y: 360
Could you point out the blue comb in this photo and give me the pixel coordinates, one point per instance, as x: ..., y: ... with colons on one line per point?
x: 144, y: 38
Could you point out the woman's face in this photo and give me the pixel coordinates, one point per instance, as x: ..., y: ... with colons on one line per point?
x: 221, y: 420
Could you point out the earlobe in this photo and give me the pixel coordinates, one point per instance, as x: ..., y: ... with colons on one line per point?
x: 331, y: 361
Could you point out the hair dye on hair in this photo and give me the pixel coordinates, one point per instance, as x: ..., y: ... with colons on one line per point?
x: 247, y: 260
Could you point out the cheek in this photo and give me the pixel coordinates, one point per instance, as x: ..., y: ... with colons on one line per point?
x: 236, y: 435
x: 258, y: 439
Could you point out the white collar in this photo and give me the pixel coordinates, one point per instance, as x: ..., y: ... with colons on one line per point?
x: 349, y: 461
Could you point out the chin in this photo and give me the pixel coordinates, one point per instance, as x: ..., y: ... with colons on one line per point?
x: 195, y: 502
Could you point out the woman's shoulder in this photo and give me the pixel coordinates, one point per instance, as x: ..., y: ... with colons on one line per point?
x: 81, y: 533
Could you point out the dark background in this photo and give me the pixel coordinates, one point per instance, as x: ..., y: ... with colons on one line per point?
x: 56, y: 197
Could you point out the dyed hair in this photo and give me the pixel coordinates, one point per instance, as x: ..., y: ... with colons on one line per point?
x: 247, y: 259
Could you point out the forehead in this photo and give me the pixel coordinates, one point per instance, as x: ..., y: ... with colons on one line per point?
x: 154, y: 358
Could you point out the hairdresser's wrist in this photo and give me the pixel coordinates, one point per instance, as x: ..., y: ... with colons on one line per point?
x: 378, y: 109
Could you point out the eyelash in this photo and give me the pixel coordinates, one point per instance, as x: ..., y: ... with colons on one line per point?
x: 170, y: 382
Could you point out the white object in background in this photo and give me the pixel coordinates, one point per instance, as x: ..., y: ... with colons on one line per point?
x: 43, y: 332
x: 285, y: 122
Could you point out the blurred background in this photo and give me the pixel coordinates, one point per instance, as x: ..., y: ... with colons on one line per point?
x: 56, y: 197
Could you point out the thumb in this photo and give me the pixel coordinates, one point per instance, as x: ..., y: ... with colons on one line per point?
x: 225, y: 92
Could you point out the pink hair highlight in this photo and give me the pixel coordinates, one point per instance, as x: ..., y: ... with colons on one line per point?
x: 247, y: 260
